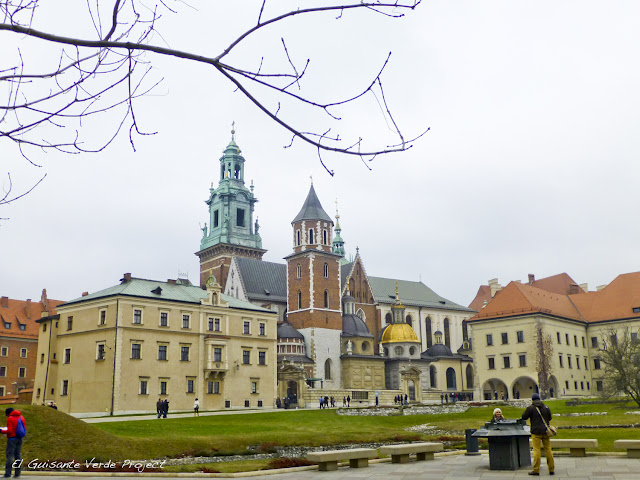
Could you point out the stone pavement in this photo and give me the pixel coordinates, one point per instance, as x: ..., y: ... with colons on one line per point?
x: 445, y: 467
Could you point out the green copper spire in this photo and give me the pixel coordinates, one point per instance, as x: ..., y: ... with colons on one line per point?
x: 231, y: 205
x: 338, y: 242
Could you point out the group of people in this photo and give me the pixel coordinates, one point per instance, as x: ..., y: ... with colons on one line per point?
x: 162, y: 407
x: 400, y: 400
x: 539, y: 415
x: 455, y: 397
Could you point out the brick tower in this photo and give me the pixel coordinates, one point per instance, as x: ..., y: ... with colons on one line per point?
x: 313, y: 288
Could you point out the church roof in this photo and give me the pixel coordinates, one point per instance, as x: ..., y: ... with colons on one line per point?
x: 438, y: 350
x: 415, y: 294
x: 398, y: 332
x: 263, y: 280
x: 312, y: 209
x: 354, y: 326
x: 157, y: 290
x: 286, y: 330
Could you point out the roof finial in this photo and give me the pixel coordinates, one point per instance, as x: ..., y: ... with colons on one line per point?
x: 311, y: 178
x: 233, y: 130
x: 337, y: 215
x: 397, y: 296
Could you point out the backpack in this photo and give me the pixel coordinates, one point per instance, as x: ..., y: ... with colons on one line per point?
x: 21, y: 431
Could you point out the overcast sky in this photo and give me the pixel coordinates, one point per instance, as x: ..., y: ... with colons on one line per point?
x: 530, y: 166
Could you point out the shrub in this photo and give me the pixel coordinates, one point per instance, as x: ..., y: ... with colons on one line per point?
x: 287, y: 462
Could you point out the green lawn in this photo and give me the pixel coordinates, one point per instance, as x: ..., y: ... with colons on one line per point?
x: 54, y: 435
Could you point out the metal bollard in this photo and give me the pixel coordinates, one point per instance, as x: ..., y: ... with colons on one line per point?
x: 472, y: 442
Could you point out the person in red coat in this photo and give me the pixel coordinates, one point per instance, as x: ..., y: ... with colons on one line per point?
x: 14, y: 440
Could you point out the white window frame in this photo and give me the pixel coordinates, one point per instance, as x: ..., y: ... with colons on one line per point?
x: 25, y: 351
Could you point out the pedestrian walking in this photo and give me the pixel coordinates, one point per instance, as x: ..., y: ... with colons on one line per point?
x: 196, y: 408
x: 539, y: 415
x: 15, y: 431
x: 348, y: 401
x: 159, y: 407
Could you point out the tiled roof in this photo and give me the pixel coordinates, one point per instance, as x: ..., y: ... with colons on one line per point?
x: 312, y: 209
x: 483, y: 295
x: 21, y: 316
x: 263, y: 280
x: 614, y: 302
x: 415, y: 294
x: 142, y: 288
x: 560, y: 283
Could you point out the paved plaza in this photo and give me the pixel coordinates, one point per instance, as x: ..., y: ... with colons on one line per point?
x: 444, y: 467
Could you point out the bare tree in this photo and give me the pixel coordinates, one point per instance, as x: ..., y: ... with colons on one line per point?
x: 544, y: 353
x: 47, y: 106
x: 620, y: 355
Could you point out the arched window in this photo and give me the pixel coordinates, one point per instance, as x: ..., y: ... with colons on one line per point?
x: 427, y: 324
x: 311, y: 236
x: 433, y: 377
x: 409, y: 320
x: 298, y: 271
x: 447, y: 338
x: 326, y: 299
x: 326, y: 270
x: 327, y: 369
x: 465, y: 330
x: 324, y: 237
x: 387, y: 318
x: 299, y: 299
x: 469, y: 376
x: 360, y: 313
x: 365, y: 346
x: 297, y: 237
x: 451, y: 379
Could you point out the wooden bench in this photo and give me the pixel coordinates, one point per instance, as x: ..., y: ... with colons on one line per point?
x: 400, y: 453
x: 632, y: 447
x: 328, y: 460
x: 577, y: 446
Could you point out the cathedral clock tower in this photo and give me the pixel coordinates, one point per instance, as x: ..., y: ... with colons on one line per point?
x: 231, y: 229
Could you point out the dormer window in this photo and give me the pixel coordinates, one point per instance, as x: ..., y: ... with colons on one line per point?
x: 7, y: 324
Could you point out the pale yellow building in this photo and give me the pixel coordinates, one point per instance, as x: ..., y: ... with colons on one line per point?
x: 506, y: 335
x: 121, y: 349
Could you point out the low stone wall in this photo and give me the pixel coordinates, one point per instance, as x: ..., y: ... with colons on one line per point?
x: 405, y: 410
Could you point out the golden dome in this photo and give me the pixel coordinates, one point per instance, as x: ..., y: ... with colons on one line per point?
x: 399, y: 332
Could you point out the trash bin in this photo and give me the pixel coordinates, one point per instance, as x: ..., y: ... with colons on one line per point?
x: 508, y: 444
x: 472, y: 442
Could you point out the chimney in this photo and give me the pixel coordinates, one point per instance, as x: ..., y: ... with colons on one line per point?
x: 45, y: 301
x: 584, y: 287
x: 27, y: 309
x: 601, y: 287
x: 494, y: 286
x: 573, y: 289
x: 126, y: 278
x: 532, y: 278
x: 5, y: 302
x: 171, y: 282
x: 84, y: 294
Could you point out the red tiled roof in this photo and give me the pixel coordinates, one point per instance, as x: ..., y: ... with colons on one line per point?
x: 483, y: 295
x: 24, y: 312
x: 614, y: 302
x: 560, y: 283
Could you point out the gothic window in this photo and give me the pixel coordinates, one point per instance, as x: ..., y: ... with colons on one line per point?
x: 432, y: 377
x: 469, y: 376
x: 326, y: 270
x: 447, y: 338
x: 427, y: 323
x: 409, y: 320
x: 311, y: 236
x: 299, y: 299
x: 298, y: 271
x: 327, y: 369
x: 451, y: 379
x: 326, y: 299
x: 360, y: 313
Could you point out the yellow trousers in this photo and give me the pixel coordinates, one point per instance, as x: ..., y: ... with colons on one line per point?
x: 535, y: 441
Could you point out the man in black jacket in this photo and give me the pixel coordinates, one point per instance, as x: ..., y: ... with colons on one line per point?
x: 539, y: 416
